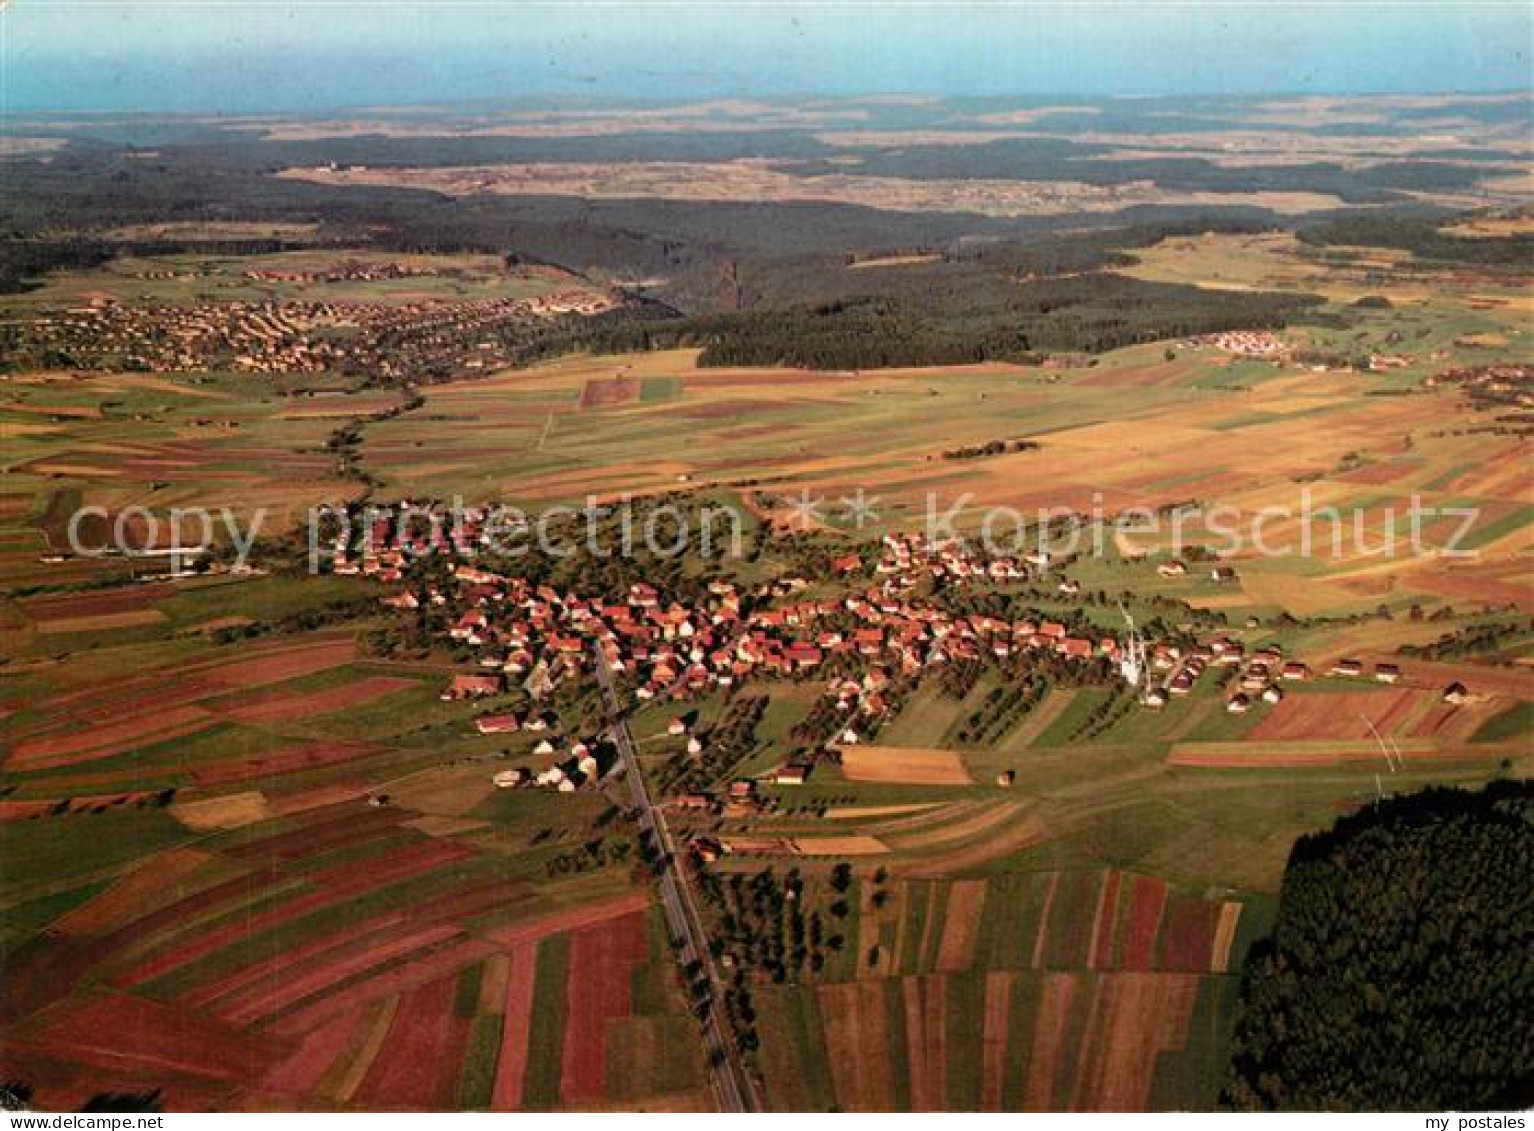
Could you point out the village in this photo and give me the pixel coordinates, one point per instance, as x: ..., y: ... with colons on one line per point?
x: 411, y: 341
x: 1493, y: 387
x: 870, y: 644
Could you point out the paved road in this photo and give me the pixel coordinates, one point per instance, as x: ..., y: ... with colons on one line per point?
x: 733, y: 1085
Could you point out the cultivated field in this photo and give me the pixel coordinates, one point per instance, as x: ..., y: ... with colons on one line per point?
x: 204, y: 897
x: 254, y: 861
x: 1253, y: 435
x: 1075, y: 991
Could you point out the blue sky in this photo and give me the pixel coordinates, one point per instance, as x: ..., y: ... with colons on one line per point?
x: 240, y: 56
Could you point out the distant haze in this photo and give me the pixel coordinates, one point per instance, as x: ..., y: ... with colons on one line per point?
x: 250, y: 57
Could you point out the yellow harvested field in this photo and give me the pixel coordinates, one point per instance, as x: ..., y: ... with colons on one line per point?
x: 14, y: 430
x: 1224, y: 936
x: 838, y: 846
x: 79, y: 470
x: 853, y: 844
x: 1125, y: 435
x: 905, y: 765
x: 757, y: 845
x: 228, y: 812
x: 859, y: 812
x: 894, y: 261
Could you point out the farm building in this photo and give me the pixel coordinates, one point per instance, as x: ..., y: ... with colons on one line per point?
x: 497, y: 724
x: 473, y: 686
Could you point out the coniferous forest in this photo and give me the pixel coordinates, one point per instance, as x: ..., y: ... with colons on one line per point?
x: 1400, y: 971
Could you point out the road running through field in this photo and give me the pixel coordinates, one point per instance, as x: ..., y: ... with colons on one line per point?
x: 731, y: 1083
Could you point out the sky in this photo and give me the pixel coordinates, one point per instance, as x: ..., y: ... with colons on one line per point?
x: 243, y: 56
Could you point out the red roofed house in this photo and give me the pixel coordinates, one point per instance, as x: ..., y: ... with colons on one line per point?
x: 473, y: 686
x: 496, y: 724
x: 792, y: 775
x: 803, y: 655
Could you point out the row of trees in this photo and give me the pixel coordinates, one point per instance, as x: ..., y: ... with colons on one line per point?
x: 1472, y: 640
